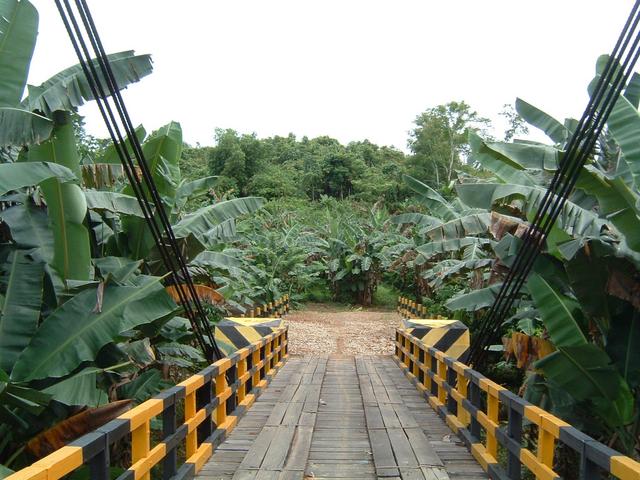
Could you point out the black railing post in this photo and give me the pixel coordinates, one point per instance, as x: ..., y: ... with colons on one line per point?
x: 514, y: 431
x: 476, y: 401
x: 204, y: 396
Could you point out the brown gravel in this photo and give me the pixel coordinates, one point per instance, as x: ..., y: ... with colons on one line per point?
x: 322, y: 329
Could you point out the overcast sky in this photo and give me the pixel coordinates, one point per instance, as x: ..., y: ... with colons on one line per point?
x: 350, y: 69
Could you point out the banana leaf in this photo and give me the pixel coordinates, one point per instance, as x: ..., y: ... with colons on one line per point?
x: 555, y: 130
x: 20, y: 127
x: 528, y: 155
x: 464, y: 226
x: 66, y: 203
x: 76, y: 331
x: 561, y: 315
x: 22, y: 277
x: 632, y: 91
x: 474, y: 300
x: 573, y: 219
x: 623, y: 346
x: 113, y: 202
x: 14, y: 176
x: 18, y: 32
x: 586, y: 373
x: 29, y: 226
x: 143, y: 387
x: 435, y: 202
x: 193, y: 189
x: 79, y: 389
x: 452, y: 245
x: 504, y: 168
x: 617, y: 202
x: 217, y: 260
x: 202, y: 221
x: 69, y: 88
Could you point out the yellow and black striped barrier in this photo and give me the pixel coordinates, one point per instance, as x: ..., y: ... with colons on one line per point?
x: 409, y: 309
x: 212, y: 401
x: 477, y: 408
x: 451, y: 337
x: 234, y: 333
x: 274, y: 309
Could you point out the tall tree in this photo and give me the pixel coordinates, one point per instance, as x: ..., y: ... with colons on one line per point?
x: 439, y: 140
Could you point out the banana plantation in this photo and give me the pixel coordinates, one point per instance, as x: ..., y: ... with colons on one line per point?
x: 118, y: 279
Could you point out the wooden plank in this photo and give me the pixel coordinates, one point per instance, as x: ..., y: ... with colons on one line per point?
x: 405, y: 457
x: 299, y: 453
x: 373, y: 417
x: 389, y: 416
x: 256, y: 453
x: 292, y: 416
x: 383, y: 454
x: 423, y: 450
x: 277, y: 414
x: 405, y: 417
x: 276, y: 455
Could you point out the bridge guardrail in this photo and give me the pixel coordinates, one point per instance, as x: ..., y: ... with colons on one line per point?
x: 279, y: 307
x: 212, y: 401
x: 471, y: 405
x: 409, y: 309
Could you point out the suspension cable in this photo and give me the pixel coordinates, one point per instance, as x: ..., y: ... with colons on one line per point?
x: 578, y: 150
x: 103, y: 87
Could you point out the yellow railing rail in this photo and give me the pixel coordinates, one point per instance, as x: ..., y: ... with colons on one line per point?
x: 277, y: 308
x: 409, y: 309
x: 206, y: 406
x: 490, y: 418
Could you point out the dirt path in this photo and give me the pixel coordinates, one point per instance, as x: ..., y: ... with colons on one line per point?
x: 329, y: 329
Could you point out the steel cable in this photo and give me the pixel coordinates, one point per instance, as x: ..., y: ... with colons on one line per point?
x: 197, y: 318
x: 578, y: 150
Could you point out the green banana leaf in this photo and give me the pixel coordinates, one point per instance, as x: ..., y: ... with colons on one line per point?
x: 110, y: 153
x: 528, y: 155
x: 29, y: 226
x: 617, y: 202
x: 504, y: 168
x: 447, y: 268
x: 623, y: 346
x: 79, y: 389
x: 586, y: 373
x: 624, y: 125
x: 162, y: 151
x: 555, y: 130
x: 216, y: 260
x: 18, y: 32
x: 76, y: 331
x: 66, y: 203
x: 22, y: 277
x: 14, y: 176
x: 561, y: 315
x: 69, y: 88
x: 143, y: 387
x: 464, y: 226
x: 573, y: 219
x: 115, y: 202
x: 21, y: 127
x: 475, y: 299
x: 121, y: 269
x: 435, y: 202
x: 451, y: 245
x: 193, y: 189
x: 632, y: 91
x: 201, y: 222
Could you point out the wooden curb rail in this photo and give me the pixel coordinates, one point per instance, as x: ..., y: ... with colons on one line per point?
x: 212, y: 402
x: 471, y: 405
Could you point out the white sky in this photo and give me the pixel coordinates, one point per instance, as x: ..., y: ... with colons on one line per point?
x: 351, y: 69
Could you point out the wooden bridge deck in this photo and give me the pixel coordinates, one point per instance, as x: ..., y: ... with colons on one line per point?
x: 341, y: 417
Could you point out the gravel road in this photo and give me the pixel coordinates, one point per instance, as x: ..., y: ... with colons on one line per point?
x: 330, y: 329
